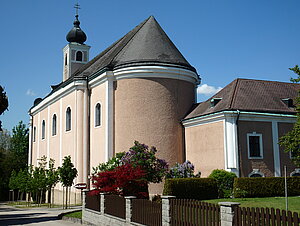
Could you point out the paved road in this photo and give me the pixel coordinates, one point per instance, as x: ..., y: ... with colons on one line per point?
x: 34, y: 216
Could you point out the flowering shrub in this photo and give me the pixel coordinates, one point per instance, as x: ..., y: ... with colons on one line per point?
x: 129, y: 172
x: 123, y: 180
x: 184, y: 170
x: 140, y: 156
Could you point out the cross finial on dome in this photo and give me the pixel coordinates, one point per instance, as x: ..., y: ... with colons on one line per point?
x: 77, y: 7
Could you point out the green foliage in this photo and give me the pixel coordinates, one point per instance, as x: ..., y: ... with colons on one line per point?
x: 110, y: 165
x: 265, y: 186
x: 291, y: 140
x: 3, y: 101
x: 224, y: 181
x: 19, y: 146
x: 67, y: 172
x: 296, y: 70
x: 13, y: 183
x: 191, y: 188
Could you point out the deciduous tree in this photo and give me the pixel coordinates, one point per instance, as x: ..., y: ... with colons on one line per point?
x: 291, y: 140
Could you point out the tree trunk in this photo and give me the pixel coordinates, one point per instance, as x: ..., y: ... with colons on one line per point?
x: 63, y: 198
x: 66, y: 197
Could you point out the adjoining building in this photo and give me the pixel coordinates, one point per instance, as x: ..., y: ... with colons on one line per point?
x: 142, y: 88
x: 238, y: 129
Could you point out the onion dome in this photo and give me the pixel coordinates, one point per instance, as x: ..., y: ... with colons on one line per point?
x: 76, y: 34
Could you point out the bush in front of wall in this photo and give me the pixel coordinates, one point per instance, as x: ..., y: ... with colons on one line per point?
x: 191, y: 188
x: 265, y: 186
x: 224, y: 181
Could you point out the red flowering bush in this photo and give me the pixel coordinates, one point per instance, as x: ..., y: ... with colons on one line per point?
x: 124, y: 180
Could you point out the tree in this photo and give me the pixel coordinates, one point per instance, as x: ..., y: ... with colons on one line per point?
x: 52, y: 179
x: 291, y: 140
x: 67, y: 174
x: 3, y: 103
x: 19, y: 146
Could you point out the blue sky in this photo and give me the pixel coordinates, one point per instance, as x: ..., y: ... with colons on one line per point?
x: 222, y: 39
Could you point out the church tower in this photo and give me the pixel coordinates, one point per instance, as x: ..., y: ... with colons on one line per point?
x: 75, y: 53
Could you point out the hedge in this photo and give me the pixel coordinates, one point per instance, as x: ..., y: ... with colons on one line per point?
x: 265, y: 187
x: 191, y: 188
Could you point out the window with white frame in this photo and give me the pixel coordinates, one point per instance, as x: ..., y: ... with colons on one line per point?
x: 98, y: 114
x: 256, y: 173
x: 54, y: 125
x: 295, y: 173
x: 43, y: 129
x: 255, y: 145
x: 68, y: 119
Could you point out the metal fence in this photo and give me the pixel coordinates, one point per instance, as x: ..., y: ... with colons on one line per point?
x: 193, y: 212
x: 115, y: 206
x: 146, y: 212
x: 93, y: 202
x: 265, y: 216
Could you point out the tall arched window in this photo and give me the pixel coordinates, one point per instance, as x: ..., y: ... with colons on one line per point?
x: 78, y: 56
x: 98, y: 115
x: 54, y: 125
x: 43, y: 129
x: 68, y: 119
x: 34, y: 133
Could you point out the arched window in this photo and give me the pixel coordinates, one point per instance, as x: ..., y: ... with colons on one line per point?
x: 68, y: 119
x: 43, y: 129
x: 78, y: 56
x: 256, y: 173
x: 66, y: 59
x: 34, y: 133
x: 98, y: 115
x: 54, y: 125
x: 295, y: 173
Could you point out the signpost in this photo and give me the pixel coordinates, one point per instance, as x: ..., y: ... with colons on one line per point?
x: 80, y: 186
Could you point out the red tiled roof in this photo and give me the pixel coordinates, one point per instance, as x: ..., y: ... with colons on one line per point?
x: 251, y: 95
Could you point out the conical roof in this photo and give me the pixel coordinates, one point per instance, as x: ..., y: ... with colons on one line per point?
x: 146, y: 44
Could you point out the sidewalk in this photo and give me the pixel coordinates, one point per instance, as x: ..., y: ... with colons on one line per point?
x: 33, y: 216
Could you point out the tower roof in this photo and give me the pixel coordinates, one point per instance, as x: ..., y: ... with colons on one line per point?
x: 146, y: 44
x: 76, y: 34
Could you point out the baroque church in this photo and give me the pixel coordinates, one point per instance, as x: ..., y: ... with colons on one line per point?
x: 142, y: 88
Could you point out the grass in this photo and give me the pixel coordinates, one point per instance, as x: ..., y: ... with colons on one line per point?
x: 270, y: 202
x: 77, y: 214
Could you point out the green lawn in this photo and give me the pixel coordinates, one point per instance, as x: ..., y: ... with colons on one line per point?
x: 77, y: 214
x: 271, y: 202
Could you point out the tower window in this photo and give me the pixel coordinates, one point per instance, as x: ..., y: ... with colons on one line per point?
x: 43, y: 129
x: 98, y: 115
x: 78, y: 56
x: 54, y: 125
x: 68, y: 119
x: 255, y: 147
x: 66, y: 59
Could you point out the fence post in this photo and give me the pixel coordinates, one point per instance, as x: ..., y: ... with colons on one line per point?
x: 102, y: 200
x: 227, y: 212
x: 128, y: 208
x: 166, y: 210
x: 83, y: 201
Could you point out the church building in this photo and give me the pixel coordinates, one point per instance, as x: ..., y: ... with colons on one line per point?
x: 142, y: 88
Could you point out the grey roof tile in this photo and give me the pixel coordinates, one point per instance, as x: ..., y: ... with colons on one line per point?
x: 146, y: 44
x: 251, y: 95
